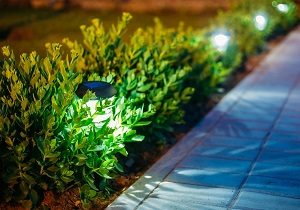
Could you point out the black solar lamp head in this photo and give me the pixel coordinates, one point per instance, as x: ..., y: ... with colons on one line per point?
x: 101, y: 89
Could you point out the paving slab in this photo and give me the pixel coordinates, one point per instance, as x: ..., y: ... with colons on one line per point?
x: 243, y: 155
x: 277, y: 170
x: 247, y: 143
x: 238, y: 153
x: 290, y: 113
x: 205, y: 178
x: 244, y: 125
x: 245, y: 115
x: 242, y: 131
x: 215, y: 164
x: 185, y: 193
x: 274, y: 186
x: 260, y: 201
x: 284, y: 136
x: 157, y: 204
x: 280, y: 157
x: 289, y: 120
x: 283, y: 145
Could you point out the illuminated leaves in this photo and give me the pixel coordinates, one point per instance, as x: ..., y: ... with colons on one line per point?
x: 50, y: 139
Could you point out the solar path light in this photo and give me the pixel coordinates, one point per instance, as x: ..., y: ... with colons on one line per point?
x: 102, y: 90
x: 283, y: 8
x: 220, y: 40
x: 260, y: 21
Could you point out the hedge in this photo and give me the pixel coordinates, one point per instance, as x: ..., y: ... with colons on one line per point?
x: 51, y: 139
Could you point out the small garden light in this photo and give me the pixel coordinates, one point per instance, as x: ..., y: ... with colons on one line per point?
x: 284, y: 8
x: 260, y: 21
x: 220, y: 40
x: 101, y: 90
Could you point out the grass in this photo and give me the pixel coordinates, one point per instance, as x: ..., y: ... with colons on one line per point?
x: 30, y: 29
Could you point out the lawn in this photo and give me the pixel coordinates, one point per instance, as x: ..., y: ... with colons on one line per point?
x: 26, y: 30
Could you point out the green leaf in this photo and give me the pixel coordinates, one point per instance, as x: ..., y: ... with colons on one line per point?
x: 90, y: 182
x: 138, y: 138
x: 34, y: 197
x: 86, y: 122
x: 119, y: 167
x: 5, y: 51
x: 81, y: 157
x: 9, y: 142
x: 67, y: 179
x: 144, y: 88
x: 97, y: 148
x: 92, y: 193
x: 142, y: 123
x: 24, y: 187
x: 29, y: 179
x: 53, y: 168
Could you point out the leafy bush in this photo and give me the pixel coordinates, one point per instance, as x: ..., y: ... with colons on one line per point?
x: 51, y: 139
x: 249, y: 40
x: 47, y: 135
x: 276, y: 21
x: 286, y: 19
x: 145, y: 67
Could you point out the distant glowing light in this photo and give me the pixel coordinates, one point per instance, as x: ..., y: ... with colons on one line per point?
x: 284, y: 8
x: 260, y: 22
x: 221, y: 41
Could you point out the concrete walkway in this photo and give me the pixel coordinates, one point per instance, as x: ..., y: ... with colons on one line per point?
x: 245, y: 154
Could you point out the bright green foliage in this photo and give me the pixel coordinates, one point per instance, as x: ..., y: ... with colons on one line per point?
x: 51, y: 139
x: 147, y: 68
x: 35, y: 96
x: 157, y: 71
x: 210, y: 69
x: 47, y: 135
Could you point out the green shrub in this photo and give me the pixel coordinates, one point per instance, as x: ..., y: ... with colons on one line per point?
x: 51, y: 139
x: 249, y: 40
x: 145, y: 68
x: 210, y: 67
x: 277, y: 21
x: 286, y: 19
x: 48, y: 139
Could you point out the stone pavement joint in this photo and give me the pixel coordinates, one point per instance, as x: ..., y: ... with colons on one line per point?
x: 245, y: 154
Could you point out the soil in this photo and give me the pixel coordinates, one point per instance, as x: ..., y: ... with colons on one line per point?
x: 70, y: 199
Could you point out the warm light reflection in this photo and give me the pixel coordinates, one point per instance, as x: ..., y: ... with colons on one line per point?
x: 260, y: 22
x: 221, y: 41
